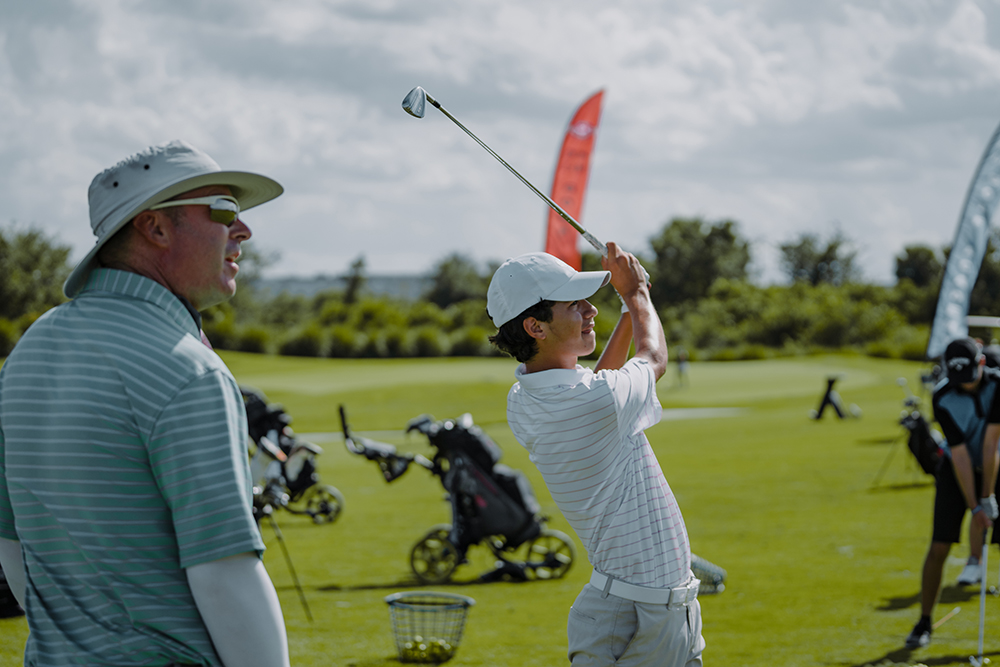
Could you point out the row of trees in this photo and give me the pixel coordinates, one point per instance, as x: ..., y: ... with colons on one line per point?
x: 701, y: 287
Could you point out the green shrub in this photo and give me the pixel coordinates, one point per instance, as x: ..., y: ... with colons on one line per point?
x: 220, y: 331
x: 253, y: 339
x: 345, y: 342
x: 306, y: 343
x: 9, y: 334
x: 738, y: 353
x: 470, y: 342
x: 373, y: 345
x: 429, y: 341
x: 427, y: 314
x: 398, y: 342
x: 907, y: 342
x: 471, y: 312
x: 374, y: 314
x: 333, y: 311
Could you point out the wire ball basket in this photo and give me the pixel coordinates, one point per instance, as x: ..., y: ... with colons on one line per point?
x: 427, y: 626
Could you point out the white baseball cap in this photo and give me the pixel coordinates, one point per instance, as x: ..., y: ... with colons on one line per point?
x: 150, y: 177
x: 523, y: 281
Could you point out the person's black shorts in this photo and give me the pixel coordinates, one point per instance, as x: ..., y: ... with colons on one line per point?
x: 949, y: 504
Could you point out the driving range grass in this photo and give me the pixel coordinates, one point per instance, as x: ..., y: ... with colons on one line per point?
x: 823, y: 569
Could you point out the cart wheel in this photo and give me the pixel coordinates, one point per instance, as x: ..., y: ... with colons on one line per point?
x: 323, y: 503
x: 550, y: 555
x: 434, y: 557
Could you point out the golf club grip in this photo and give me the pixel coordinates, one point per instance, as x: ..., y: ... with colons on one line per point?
x: 592, y: 240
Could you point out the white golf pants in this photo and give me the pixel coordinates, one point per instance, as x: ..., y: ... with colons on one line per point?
x: 605, y: 631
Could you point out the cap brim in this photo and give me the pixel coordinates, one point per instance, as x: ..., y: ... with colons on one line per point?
x: 249, y: 189
x: 582, y: 285
x: 965, y: 376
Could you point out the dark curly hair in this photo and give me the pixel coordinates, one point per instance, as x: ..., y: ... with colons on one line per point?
x: 512, y: 339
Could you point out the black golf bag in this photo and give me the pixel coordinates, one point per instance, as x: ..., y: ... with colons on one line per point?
x: 283, y: 467
x: 490, y: 503
x: 490, y: 498
x: 923, y: 442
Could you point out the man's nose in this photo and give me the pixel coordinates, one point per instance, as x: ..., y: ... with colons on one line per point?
x: 239, y: 230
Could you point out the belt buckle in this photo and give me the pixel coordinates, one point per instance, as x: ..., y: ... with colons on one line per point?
x: 685, y: 594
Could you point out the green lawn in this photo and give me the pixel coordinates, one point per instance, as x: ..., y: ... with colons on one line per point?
x: 823, y: 569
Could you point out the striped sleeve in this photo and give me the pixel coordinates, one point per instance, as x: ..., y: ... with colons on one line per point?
x: 198, y: 455
x: 634, y: 390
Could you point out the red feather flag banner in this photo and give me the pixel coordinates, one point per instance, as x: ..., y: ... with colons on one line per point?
x: 569, y: 185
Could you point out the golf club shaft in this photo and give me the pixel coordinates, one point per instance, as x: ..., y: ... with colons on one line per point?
x: 591, y: 239
x: 982, y: 591
x: 944, y: 619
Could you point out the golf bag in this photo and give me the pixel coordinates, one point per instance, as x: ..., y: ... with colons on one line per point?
x: 489, y: 501
x: 923, y: 441
x: 283, y: 467
x: 489, y: 498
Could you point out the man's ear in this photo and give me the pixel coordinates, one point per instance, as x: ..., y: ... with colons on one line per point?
x: 152, y: 226
x: 534, y: 328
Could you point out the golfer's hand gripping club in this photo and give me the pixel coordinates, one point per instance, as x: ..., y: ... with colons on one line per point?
x: 414, y: 104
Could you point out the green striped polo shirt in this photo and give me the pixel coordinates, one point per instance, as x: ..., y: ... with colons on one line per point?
x: 122, y: 462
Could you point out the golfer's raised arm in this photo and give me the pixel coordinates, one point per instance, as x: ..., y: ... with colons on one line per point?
x: 629, y: 279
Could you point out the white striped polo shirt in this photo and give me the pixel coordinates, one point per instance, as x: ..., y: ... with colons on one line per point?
x: 585, y: 432
x: 122, y: 462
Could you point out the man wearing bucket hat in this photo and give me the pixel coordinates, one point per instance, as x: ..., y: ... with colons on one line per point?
x: 126, y: 526
x: 967, y: 407
x: 584, y: 430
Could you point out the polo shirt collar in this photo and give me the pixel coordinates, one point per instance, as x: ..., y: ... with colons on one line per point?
x: 551, y: 378
x: 128, y: 284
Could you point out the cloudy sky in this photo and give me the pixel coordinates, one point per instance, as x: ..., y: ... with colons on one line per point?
x: 786, y: 116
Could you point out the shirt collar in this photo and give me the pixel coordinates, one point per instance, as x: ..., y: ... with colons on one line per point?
x: 551, y: 378
x: 126, y: 283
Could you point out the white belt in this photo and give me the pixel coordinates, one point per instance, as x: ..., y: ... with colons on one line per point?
x: 677, y: 597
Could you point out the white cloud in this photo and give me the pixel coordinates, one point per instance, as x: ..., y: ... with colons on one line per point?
x: 781, y: 115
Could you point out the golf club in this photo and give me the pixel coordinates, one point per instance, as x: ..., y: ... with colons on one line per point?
x: 944, y: 619
x: 414, y: 104
x: 977, y: 661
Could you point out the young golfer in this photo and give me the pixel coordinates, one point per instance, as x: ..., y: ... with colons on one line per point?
x: 584, y: 430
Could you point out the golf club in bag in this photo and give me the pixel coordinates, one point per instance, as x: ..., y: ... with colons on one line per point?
x: 283, y: 467
x: 491, y: 504
x: 923, y: 442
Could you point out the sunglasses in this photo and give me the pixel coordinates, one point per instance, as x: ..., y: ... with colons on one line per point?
x: 221, y: 208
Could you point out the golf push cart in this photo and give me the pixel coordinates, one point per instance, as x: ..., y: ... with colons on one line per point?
x: 282, y: 467
x: 490, y: 503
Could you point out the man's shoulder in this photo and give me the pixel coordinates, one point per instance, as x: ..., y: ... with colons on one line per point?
x: 127, y: 332
x: 943, y: 388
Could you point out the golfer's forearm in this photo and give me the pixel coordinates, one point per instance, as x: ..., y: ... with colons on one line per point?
x: 12, y: 563
x: 963, y: 474
x: 650, y: 343
x: 615, y: 353
x: 240, y: 608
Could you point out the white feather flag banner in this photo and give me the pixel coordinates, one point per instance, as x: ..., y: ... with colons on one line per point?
x: 966, y: 258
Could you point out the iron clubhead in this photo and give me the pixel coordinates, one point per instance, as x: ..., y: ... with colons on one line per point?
x: 414, y: 102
